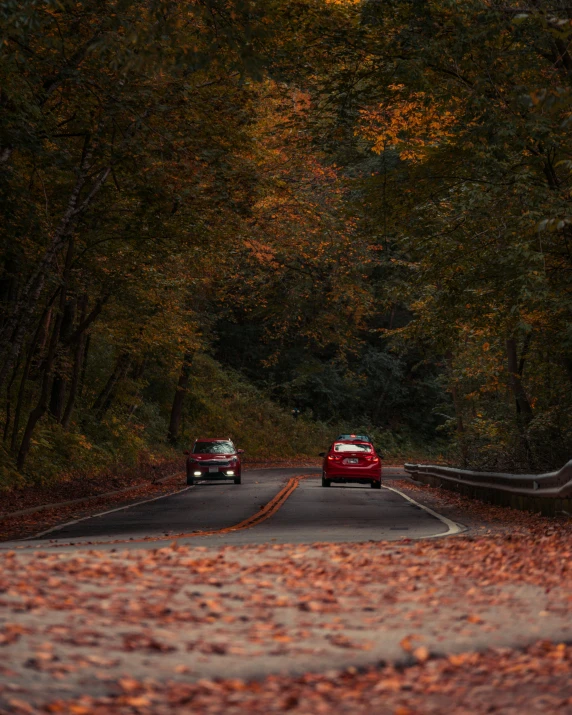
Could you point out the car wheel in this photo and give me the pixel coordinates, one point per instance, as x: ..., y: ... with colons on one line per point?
x: 375, y: 484
x: 190, y: 481
x: 325, y: 482
x: 238, y: 480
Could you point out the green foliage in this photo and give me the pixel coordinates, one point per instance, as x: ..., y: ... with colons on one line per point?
x: 57, y: 454
x: 10, y: 478
x: 222, y: 403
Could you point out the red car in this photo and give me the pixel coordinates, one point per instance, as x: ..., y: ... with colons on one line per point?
x: 352, y: 461
x: 214, y: 459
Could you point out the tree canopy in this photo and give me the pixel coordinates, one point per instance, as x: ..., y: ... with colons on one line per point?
x: 356, y: 209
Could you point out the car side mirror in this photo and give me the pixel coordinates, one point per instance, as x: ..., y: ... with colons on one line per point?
x: 321, y: 454
x: 380, y: 455
x: 240, y: 451
x: 186, y: 451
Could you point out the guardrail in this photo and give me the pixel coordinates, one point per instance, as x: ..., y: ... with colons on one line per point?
x: 549, y: 494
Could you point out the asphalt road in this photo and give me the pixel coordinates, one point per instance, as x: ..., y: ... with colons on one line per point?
x: 342, y: 513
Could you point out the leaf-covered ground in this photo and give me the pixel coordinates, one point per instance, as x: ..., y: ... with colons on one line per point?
x: 536, y: 680
x: 475, y: 623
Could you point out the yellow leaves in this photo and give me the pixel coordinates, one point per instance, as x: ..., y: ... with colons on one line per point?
x: 421, y: 654
x: 84, y: 442
x: 412, y: 125
x: 136, y: 702
x: 472, y: 618
x: 463, y: 659
x: 262, y: 252
x: 407, y: 643
x: 388, y: 685
x: 21, y: 706
x: 128, y: 685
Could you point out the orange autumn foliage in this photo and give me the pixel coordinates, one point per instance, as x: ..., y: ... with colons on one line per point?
x: 411, y: 124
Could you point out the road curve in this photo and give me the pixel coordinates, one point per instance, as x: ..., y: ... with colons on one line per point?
x: 309, y: 514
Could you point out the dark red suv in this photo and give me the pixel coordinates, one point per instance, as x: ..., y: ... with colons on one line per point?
x: 214, y: 459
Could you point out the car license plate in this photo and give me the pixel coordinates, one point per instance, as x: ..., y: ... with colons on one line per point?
x: 352, y: 460
x: 213, y: 469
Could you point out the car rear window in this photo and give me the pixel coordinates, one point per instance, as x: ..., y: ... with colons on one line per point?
x: 362, y: 437
x: 352, y: 447
x: 213, y: 448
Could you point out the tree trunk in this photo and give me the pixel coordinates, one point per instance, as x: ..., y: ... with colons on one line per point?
x: 77, y: 367
x: 38, y: 338
x: 392, y: 317
x: 567, y: 362
x: 40, y: 409
x: 9, y: 400
x: 523, y: 407
x: 105, y: 397
x: 60, y: 382
x: 85, y: 359
x: 14, y: 332
x: 8, y: 288
x: 86, y: 321
x: 178, y: 400
x: 459, y: 415
x: 136, y: 375
x: 460, y: 426
x: 524, y: 353
x: 58, y: 396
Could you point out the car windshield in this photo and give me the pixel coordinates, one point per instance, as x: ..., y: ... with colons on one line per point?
x: 213, y: 448
x: 352, y: 448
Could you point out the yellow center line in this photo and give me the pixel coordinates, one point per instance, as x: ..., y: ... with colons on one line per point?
x: 264, y: 513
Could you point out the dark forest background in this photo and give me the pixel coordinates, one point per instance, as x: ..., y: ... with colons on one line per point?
x: 217, y: 212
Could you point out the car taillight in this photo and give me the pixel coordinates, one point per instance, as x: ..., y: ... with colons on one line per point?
x: 333, y: 457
